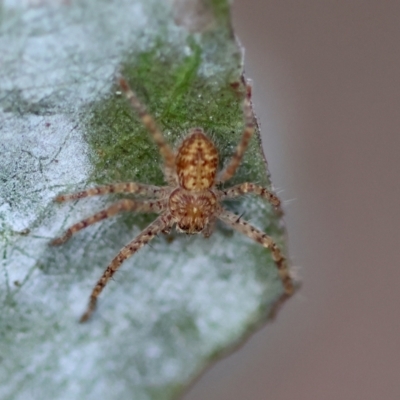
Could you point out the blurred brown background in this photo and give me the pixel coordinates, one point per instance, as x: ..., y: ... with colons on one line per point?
x: 327, y: 93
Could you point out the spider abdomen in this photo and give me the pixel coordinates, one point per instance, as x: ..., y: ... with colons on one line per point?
x: 192, y: 211
x: 196, y: 161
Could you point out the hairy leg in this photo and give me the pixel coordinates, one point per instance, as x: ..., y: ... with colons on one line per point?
x: 244, y: 227
x: 247, y: 187
x: 125, y: 187
x: 233, y: 164
x: 160, y: 224
x: 209, y: 229
x: 149, y: 123
x: 170, y: 177
x: 122, y: 205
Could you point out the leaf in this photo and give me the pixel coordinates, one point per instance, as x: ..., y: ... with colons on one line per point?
x: 176, y: 305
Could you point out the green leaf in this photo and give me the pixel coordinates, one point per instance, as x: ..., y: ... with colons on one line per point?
x: 176, y: 305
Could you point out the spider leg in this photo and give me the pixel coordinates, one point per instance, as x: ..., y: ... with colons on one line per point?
x: 247, y: 187
x: 125, y: 187
x: 209, y: 229
x: 161, y: 223
x: 149, y: 123
x: 233, y: 164
x: 244, y: 227
x: 170, y: 177
x: 122, y: 205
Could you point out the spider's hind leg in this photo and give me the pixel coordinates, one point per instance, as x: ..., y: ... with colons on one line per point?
x: 248, y: 132
x: 149, y: 122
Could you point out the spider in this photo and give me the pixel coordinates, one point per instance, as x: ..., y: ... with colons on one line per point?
x: 191, y: 200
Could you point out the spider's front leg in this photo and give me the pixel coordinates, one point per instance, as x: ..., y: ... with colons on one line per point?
x: 244, y: 227
x: 120, y: 206
x: 161, y: 223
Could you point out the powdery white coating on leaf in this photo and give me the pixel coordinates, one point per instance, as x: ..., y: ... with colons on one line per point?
x: 173, y: 305
x: 35, y: 162
x: 180, y: 295
x: 194, y: 15
x: 53, y: 68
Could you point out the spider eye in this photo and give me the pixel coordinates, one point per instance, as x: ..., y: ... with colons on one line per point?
x: 183, y: 227
x: 198, y: 228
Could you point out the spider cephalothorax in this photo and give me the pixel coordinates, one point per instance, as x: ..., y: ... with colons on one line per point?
x: 191, y: 201
x: 192, y: 211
